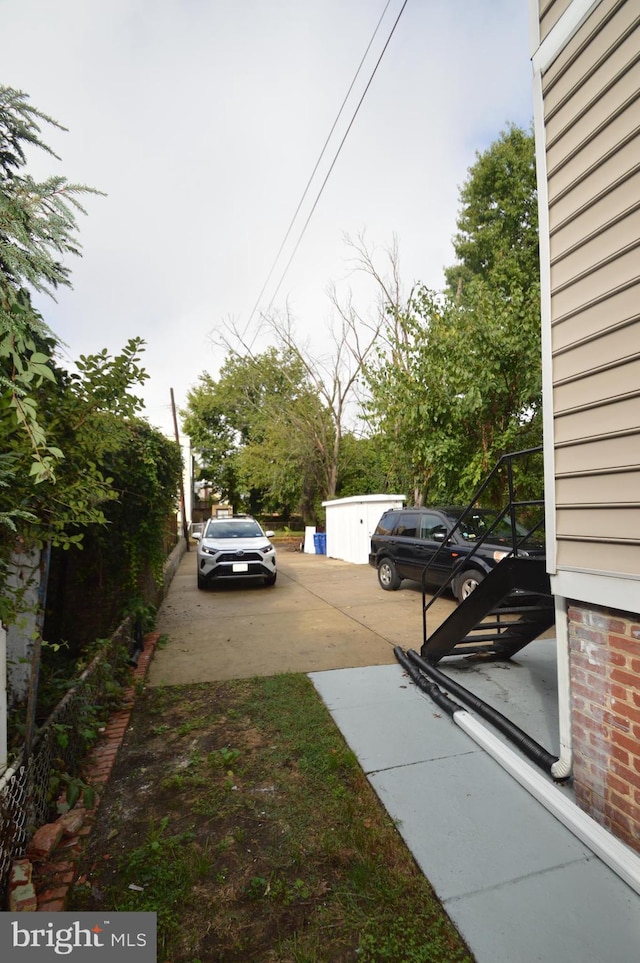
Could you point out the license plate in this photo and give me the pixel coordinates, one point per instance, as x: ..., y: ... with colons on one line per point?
x: 240, y: 567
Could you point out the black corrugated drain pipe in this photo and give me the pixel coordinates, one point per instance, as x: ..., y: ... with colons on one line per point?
x: 418, y: 669
x: 440, y: 698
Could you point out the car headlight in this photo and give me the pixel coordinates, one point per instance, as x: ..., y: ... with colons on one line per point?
x: 498, y: 556
x: 208, y: 551
x: 268, y: 548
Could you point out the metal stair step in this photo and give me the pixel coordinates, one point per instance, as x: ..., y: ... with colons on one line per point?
x: 485, y: 637
x: 522, y: 609
x: 485, y: 626
x: 504, y: 625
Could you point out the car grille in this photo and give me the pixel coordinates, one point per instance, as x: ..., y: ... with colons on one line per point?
x: 224, y: 571
x: 239, y: 557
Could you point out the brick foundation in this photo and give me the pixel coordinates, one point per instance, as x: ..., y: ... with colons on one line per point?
x: 605, y: 717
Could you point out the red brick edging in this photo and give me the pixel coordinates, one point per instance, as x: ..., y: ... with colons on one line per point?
x: 42, y: 879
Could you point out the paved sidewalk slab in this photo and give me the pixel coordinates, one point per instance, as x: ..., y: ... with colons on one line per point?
x: 517, y: 883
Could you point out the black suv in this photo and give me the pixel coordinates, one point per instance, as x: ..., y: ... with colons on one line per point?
x: 406, y: 540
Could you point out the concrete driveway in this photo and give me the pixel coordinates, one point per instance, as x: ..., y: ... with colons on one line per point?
x: 321, y: 614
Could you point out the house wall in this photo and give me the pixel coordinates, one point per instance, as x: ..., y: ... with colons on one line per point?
x: 592, y: 128
x: 605, y: 702
x: 550, y: 13
x: 586, y: 58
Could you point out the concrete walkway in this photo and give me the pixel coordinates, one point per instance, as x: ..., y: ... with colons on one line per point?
x: 321, y: 614
x: 519, y: 886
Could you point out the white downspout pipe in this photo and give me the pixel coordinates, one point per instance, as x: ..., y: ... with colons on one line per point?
x: 562, y: 768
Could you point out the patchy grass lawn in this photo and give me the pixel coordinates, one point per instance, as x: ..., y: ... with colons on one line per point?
x: 238, y: 814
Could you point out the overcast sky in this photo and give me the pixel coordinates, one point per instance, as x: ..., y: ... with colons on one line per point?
x: 202, y: 121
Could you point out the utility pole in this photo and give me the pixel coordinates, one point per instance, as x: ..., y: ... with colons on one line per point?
x: 185, y: 524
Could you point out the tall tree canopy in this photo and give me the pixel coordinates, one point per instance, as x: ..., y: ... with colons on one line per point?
x: 38, y: 228
x: 497, y: 237
x: 457, y: 382
x: 258, y: 431
x: 64, y: 437
x: 271, y: 430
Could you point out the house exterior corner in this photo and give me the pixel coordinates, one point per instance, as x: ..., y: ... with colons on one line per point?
x: 586, y: 63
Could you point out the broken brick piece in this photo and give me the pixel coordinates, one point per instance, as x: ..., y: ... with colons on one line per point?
x: 45, y: 840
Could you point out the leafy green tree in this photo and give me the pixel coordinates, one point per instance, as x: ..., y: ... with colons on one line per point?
x: 457, y: 380
x: 213, y: 436
x: 255, y: 430
x: 466, y: 393
x: 38, y: 228
x: 65, y: 436
x: 118, y: 564
x: 362, y: 468
x: 85, y: 414
x: 91, y: 415
x: 333, y: 378
x: 497, y: 237
x: 323, y: 404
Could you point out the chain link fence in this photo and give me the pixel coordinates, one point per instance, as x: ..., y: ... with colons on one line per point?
x: 28, y: 789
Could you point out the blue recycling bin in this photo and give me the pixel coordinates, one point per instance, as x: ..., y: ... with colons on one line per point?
x: 320, y: 543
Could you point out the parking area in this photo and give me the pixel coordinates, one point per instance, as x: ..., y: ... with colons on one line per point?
x: 321, y: 614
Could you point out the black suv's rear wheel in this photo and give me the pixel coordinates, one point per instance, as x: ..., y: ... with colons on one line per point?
x: 466, y: 583
x: 387, y: 576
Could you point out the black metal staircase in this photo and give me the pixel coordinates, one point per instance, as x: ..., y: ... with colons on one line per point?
x: 511, y: 606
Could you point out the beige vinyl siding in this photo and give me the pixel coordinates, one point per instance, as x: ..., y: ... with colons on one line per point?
x: 586, y: 321
x: 550, y: 13
x: 597, y: 229
x: 570, y: 425
x: 614, y: 524
x: 592, y: 121
x: 608, y: 28
x: 607, y: 277
x: 604, y: 454
x: 601, y: 247
x: 598, y: 182
x: 618, y: 488
x: 601, y: 386
x: 613, y: 559
x: 614, y: 347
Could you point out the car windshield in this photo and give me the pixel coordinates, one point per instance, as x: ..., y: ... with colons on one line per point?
x: 477, y: 523
x: 234, y: 528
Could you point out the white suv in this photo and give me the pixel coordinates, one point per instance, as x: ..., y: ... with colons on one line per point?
x: 235, y: 547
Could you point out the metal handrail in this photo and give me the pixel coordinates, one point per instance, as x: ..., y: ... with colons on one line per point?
x: 510, y: 509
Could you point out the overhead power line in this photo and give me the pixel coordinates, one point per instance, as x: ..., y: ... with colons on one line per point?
x: 317, y: 164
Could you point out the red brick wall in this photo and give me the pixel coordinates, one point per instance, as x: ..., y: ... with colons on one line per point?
x: 605, y: 713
